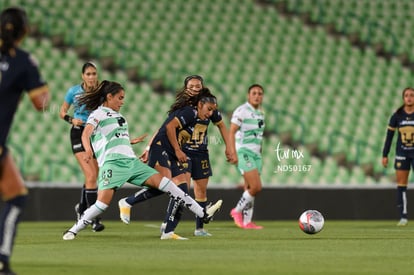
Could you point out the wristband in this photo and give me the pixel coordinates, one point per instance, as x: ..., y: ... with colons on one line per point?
x: 68, y: 118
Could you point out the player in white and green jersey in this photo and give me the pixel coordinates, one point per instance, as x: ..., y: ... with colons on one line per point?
x: 106, y: 135
x: 245, y: 138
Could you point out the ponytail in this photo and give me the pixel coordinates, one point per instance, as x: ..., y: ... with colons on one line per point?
x: 13, y: 27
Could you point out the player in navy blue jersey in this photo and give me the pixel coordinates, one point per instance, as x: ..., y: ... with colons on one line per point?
x: 80, y: 116
x: 196, y: 149
x: 167, y: 156
x: 403, y: 121
x: 18, y: 72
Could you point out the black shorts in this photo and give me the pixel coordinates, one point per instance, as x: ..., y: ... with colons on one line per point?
x: 403, y: 163
x: 76, y: 139
x: 199, y: 166
x: 158, y: 155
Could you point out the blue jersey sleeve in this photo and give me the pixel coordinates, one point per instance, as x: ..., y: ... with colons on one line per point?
x: 186, y: 116
x: 70, y: 95
x: 33, y: 78
x: 216, y: 117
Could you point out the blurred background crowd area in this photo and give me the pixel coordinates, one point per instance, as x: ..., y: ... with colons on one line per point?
x: 333, y: 73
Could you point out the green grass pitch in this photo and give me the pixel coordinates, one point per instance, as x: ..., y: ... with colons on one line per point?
x: 342, y: 247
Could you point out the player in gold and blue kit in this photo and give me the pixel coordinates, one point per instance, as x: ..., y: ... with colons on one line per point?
x: 403, y: 121
x: 18, y: 72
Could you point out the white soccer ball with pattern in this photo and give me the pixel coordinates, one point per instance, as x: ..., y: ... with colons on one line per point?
x: 311, y: 221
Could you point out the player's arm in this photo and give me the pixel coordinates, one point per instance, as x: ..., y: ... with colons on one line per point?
x: 144, y: 156
x: 63, y: 114
x: 387, y: 145
x: 86, y: 137
x: 225, y: 135
x: 138, y: 139
x: 171, y: 128
x: 40, y: 97
x: 232, y: 141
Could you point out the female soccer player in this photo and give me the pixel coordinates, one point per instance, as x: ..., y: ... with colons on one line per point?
x: 245, y: 137
x: 106, y: 134
x: 403, y: 120
x: 18, y: 72
x: 196, y: 149
x: 197, y: 158
x: 80, y: 115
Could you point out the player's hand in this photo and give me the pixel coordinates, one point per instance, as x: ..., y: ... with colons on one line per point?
x: 138, y: 139
x: 144, y: 156
x: 181, y: 156
x: 231, y: 156
x: 77, y: 122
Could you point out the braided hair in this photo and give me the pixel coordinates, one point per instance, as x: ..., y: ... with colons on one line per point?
x: 95, y: 98
x: 14, y: 26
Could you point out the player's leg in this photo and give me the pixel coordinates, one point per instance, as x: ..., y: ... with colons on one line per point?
x: 112, y: 175
x: 402, y: 172
x: 402, y: 178
x: 200, y: 196
x: 14, y: 194
x: 90, y: 190
x: 166, y: 185
x: 90, y: 214
x: 160, y: 161
x: 200, y: 172
x: 246, y: 202
x: 125, y: 204
x: 174, y: 208
x: 90, y: 171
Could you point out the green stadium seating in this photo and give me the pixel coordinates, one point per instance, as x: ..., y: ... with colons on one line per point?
x: 305, y: 72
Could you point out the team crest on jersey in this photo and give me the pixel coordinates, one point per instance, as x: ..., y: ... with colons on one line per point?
x: 398, y: 164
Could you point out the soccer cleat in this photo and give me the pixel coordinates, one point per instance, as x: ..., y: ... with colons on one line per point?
x: 237, y: 217
x: 162, y: 227
x: 69, y: 235
x: 97, y: 226
x: 402, y: 222
x: 252, y: 225
x: 201, y: 233
x: 124, y: 211
x: 5, y: 269
x: 172, y: 236
x: 211, y: 210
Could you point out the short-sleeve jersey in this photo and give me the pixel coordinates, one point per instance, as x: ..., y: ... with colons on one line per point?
x: 110, y: 138
x: 405, y: 124
x: 71, y: 97
x: 251, y: 123
x: 186, y: 116
x: 18, y: 73
x: 194, y: 139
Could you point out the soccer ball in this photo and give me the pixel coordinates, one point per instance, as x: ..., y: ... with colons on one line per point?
x: 311, y: 221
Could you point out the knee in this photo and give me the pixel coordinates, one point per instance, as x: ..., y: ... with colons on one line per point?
x: 254, y: 190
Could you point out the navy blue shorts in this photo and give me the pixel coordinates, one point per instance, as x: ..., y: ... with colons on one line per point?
x: 403, y: 163
x: 199, y: 166
x: 158, y: 155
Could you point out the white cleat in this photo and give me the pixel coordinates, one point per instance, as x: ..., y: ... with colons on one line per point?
x: 402, y: 222
x: 124, y: 211
x: 69, y: 235
x: 172, y: 236
x: 212, y: 210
